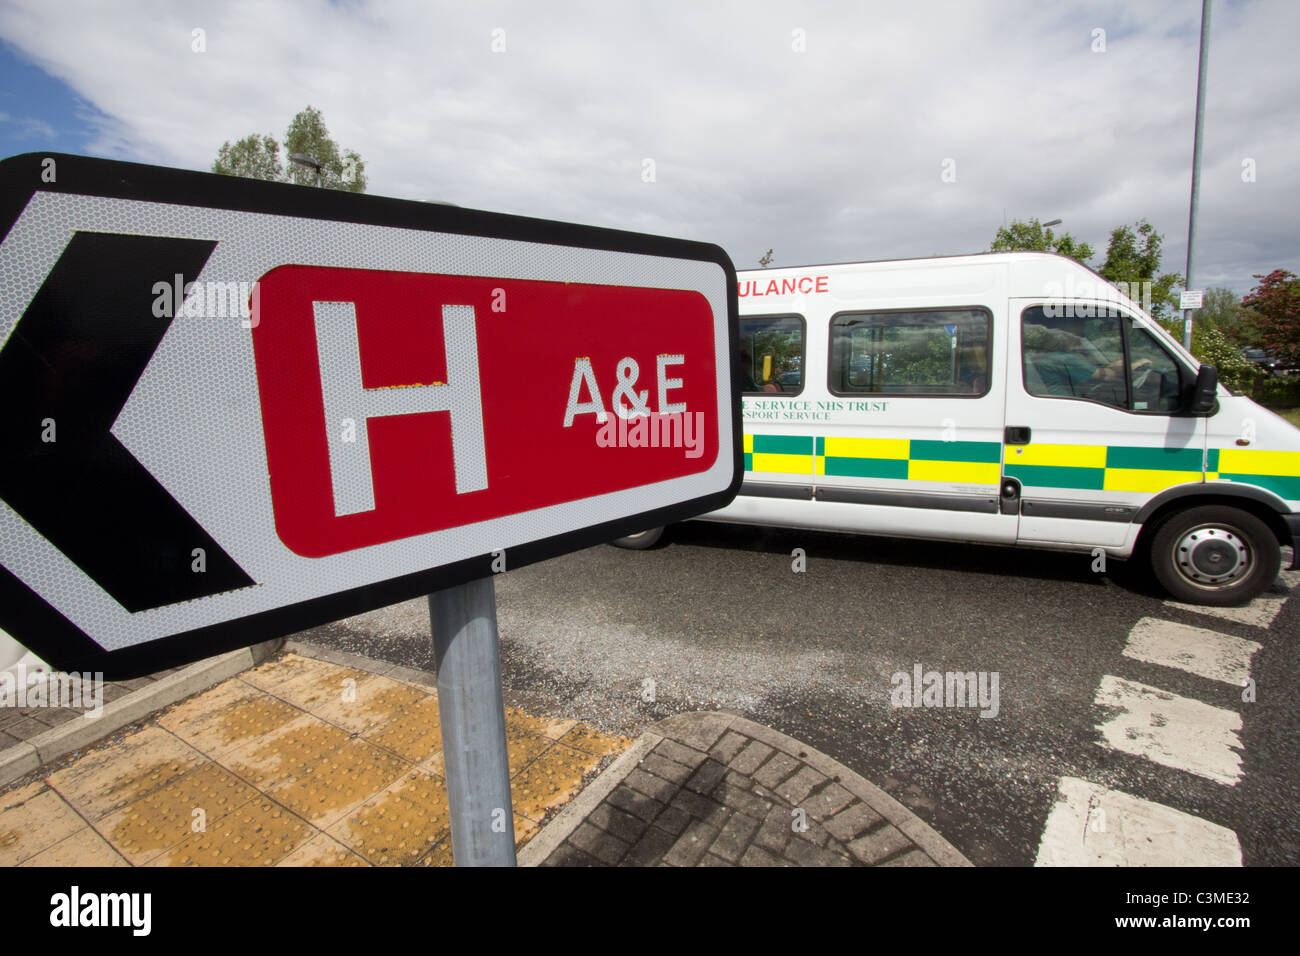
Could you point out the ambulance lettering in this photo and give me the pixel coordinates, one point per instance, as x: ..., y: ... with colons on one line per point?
x: 798, y: 285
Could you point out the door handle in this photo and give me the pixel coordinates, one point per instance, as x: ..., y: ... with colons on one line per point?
x: 1017, y: 435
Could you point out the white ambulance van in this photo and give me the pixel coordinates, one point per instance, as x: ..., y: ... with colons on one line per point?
x: 1012, y: 398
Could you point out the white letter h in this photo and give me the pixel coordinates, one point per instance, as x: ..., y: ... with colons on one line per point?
x: 339, y: 351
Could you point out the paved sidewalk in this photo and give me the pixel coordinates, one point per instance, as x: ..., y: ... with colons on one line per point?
x: 715, y: 789
x: 299, y: 761
x: 325, y: 758
x: 36, y: 736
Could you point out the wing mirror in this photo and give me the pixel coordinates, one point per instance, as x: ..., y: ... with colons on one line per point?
x: 1205, y: 393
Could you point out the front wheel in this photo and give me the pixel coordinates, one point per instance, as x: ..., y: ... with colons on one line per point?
x: 1215, y: 555
x: 639, y: 541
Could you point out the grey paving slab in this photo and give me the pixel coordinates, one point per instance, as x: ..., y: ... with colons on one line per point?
x: 715, y: 789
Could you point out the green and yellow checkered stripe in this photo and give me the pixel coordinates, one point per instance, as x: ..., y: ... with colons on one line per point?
x: 964, y: 462
x: 1103, y: 467
x: 1278, y: 471
x: 1084, y: 467
x: 1145, y: 469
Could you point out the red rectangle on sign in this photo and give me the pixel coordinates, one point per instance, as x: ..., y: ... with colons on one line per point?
x: 396, y: 404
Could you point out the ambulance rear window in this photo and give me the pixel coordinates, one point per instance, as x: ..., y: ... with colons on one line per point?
x: 934, y: 352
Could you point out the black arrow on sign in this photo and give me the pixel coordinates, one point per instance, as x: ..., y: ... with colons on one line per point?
x: 74, y: 358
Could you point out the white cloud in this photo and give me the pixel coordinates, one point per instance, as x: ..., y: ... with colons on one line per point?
x: 29, y: 127
x: 829, y: 154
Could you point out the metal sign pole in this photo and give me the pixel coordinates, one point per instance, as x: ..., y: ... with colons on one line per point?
x: 472, y: 712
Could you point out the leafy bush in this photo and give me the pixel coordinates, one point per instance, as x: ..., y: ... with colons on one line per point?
x: 1277, y: 392
x: 1212, y: 347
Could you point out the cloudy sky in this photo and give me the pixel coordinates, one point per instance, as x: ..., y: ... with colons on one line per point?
x: 821, y: 130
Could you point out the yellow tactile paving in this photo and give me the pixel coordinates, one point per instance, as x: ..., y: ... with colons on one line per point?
x: 322, y: 850
x: 339, y: 781
x: 523, y: 749
x: 226, y: 716
x: 550, y: 780
x: 201, y: 798
x: 108, y: 779
x: 400, y: 825
x: 351, y: 699
x: 33, y: 819
x: 370, y: 704
x: 312, y: 685
x: 593, y: 742
x: 287, y: 770
x: 525, y: 829
x: 284, y: 755
x: 518, y: 722
x: 83, y: 848
x: 559, y: 728
x: 260, y: 833
x: 440, y: 855
x: 272, y: 674
x: 415, y: 734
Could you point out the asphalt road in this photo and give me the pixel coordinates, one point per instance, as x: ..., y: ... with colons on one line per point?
x: 717, y: 617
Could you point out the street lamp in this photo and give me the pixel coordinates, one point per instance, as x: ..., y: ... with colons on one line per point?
x: 1049, y: 225
x: 302, y: 159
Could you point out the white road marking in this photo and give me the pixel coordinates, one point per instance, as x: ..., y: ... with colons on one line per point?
x: 1260, y: 612
x: 1195, y: 649
x: 1092, y: 826
x: 1171, y: 730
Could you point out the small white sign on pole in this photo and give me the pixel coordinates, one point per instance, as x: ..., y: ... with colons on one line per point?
x: 1191, y: 300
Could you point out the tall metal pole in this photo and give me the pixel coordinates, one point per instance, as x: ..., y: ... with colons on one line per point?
x: 1196, y: 161
x: 472, y: 712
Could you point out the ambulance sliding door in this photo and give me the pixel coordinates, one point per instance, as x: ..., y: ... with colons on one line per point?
x: 914, y: 446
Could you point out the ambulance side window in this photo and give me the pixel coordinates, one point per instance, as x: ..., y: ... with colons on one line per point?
x: 1070, y: 355
x: 935, y: 352
x: 1077, y: 350
x: 1158, y: 384
x: 772, y: 354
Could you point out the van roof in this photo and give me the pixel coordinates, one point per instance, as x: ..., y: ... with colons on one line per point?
x: 953, y: 259
x: 1029, y: 274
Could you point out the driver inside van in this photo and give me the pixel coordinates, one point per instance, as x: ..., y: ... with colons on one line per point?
x: 747, y: 383
x: 1060, y: 358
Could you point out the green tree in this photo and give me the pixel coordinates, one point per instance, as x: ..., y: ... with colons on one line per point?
x: 341, y: 169
x: 258, y: 156
x: 1133, y: 259
x: 1274, y: 305
x: 254, y: 156
x: 1032, y: 237
x: 1222, y: 311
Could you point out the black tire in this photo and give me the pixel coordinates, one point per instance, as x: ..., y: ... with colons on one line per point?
x: 1214, y: 555
x: 640, y: 541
